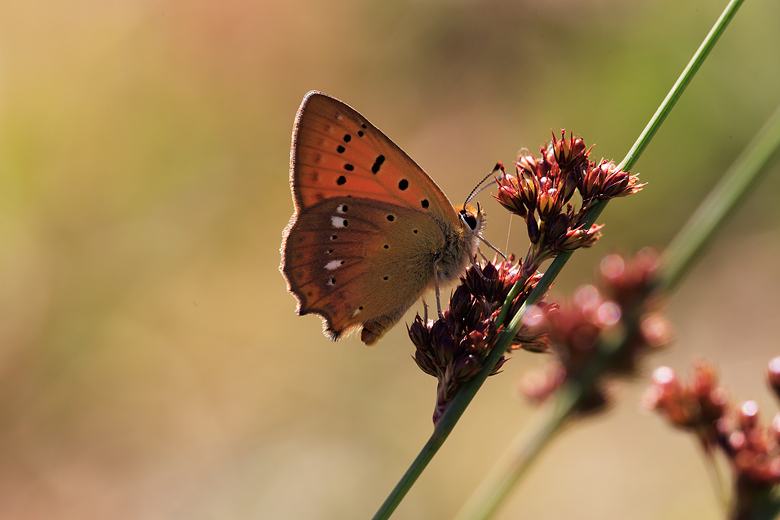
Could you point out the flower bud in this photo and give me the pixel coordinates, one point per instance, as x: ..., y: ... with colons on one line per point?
x: 533, y: 230
x: 748, y: 415
x: 528, y: 190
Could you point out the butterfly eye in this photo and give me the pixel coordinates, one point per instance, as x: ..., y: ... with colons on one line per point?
x: 469, y: 218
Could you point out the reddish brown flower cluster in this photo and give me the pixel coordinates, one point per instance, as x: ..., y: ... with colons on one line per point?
x: 454, y: 347
x: 703, y: 407
x: 493, y: 283
x: 541, y: 190
x: 697, y: 406
x: 577, y: 330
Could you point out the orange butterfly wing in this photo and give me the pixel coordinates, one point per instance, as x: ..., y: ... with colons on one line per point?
x: 368, y: 226
x: 337, y: 152
x: 359, y: 262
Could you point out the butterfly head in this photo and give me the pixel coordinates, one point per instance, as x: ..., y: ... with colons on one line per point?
x: 473, y: 219
x: 473, y: 222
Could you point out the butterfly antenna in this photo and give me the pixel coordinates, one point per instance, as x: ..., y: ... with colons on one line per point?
x: 497, y: 170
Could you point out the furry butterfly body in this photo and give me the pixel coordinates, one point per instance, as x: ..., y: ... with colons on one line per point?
x: 371, y: 232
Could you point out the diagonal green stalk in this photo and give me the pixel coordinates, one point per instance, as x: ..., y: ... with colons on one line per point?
x: 687, y: 246
x: 468, y: 391
x: 769, y: 509
x: 682, y: 83
x: 721, y: 201
x: 763, y: 151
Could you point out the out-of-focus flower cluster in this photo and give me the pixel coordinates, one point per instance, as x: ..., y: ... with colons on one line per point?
x: 542, y: 188
x: 703, y: 407
x: 454, y: 347
x: 578, y: 330
x: 696, y: 406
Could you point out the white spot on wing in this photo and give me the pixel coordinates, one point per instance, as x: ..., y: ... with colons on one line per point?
x: 333, y: 264
x: 340, y: 208
x: 337, y: 221
x: 357, y: 311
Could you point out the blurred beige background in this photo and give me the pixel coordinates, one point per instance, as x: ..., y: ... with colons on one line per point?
x: 151, y: 363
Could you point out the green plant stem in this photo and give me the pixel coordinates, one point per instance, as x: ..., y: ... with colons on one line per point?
x: 532, y: 439
x: 721, y: 202
x: 459, y: 403
x: 716, y: 476
x: 468, y: 391
x: 464, y: 396
x: 688, y: 245
x: 679, y: 87
x: 768, y: 510
x: 517, y: 459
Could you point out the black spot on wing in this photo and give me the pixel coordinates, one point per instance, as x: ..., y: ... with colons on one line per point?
x: 378, y: 163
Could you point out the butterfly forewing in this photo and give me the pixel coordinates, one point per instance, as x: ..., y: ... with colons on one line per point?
x: 337, y: 152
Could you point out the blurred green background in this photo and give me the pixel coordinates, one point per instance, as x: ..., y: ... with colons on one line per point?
x: 151, y: 363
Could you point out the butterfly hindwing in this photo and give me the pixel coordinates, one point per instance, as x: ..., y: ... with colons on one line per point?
x: 345, y: 259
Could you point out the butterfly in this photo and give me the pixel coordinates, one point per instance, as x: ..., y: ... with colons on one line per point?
x: 371, y: 231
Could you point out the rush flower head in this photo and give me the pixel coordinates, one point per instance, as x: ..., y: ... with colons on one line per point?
x: 577, y: 329
x: 492, y: 284
x: 702, y: 407
x: 696, y: 406
x: 574, y: 330
x: 454, y: 347
x: 541, y: 192
x: 571, y: 239
x: 604, y: 181
x: 570, y: 154
x: 629, y: 282
x: 510, y: 194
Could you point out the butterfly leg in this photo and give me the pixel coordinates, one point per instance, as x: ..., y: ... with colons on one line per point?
x: 478, y: 268
x: 494, y: 248
x: 425, y: 310
x: 436, y: 285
